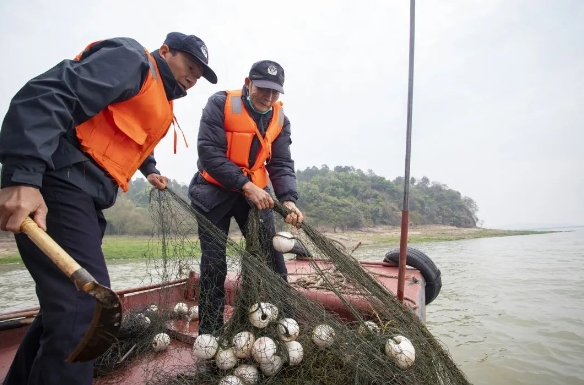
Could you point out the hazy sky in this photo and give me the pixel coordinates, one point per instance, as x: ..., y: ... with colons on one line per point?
x: 498, y: 99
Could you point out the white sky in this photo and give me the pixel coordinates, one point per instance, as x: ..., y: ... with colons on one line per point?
x: 498, y: 99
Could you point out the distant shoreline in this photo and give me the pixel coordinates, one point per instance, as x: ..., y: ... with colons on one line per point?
x: 128, y: 247
x: 419, y: 234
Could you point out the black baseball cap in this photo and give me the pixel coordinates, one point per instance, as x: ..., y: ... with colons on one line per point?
x: 195, y: 47
x: 267, y: 74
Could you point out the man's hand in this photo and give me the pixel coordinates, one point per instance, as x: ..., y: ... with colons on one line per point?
x: 258, y: 196
x: 295, y: 217
x: 17, y: 203
x: 157, y: 181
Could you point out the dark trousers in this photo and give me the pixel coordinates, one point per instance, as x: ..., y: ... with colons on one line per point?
x: 77, y: 226
x: 214, y: 263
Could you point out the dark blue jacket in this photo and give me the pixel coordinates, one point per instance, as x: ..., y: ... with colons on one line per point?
x: 38, y: 132
x: 212, y: 150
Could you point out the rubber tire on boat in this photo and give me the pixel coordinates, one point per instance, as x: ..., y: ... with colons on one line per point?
x: 429, y: 270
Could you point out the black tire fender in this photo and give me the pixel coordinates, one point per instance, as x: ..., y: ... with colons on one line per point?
x: 419, y: 260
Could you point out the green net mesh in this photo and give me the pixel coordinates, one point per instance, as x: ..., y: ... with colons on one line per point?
x: 275, y: 332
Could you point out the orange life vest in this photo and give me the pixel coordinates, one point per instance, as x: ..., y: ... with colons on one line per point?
x: 122, y: 135
x: 240, y: 130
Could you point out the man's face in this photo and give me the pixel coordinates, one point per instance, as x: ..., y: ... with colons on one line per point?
x: 186, y: 69
x: 262, y: 99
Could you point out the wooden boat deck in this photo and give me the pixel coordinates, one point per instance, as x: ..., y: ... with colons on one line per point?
x: 183, y: 333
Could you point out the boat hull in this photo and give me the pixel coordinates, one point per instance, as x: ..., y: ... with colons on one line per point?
x: 14, y: 325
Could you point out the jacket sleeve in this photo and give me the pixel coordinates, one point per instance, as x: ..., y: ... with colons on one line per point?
x: 49, y: 105
x: 281, y: 166
x: 149, y: 166
x: 212, y: 145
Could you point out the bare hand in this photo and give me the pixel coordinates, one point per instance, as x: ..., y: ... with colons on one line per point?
x: 17, y: 203
x: 258, y: 196
x: 157, y: 181
x: 295, y: 217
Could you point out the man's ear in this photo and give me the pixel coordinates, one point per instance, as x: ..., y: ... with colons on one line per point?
x: 164, y: 50
x: 247, y: 83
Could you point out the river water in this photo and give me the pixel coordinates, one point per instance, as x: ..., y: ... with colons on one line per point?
x: 510, y: 310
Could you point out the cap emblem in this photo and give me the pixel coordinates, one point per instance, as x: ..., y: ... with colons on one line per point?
x: 272, y: 70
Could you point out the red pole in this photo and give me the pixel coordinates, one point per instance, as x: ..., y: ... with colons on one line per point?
x: 403, y: 247
x: 403, y: 244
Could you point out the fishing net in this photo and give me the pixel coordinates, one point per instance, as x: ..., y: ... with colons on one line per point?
x: 331, y: 323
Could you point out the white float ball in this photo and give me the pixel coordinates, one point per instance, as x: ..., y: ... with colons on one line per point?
x: 288, y: 329
x: 181, y: 308
x: 295, y: 352
x: 247, y: 373
x: 401, y: 350
x: 263, y: 350
x: 160, y: 342
x: 205, y: 346
x: 372, y: 326
x: 323, y: 336
x: 242, y: 343
x: 259, y: 315
x: 152, y: 309
x: 225, y: 359
x: 283, y: 241
x: 274, y: 312
x: 230, y: 380
x: 271, y: 366
x: 193, y: 313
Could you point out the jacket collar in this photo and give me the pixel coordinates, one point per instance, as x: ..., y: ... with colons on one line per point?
x: 171, y: 87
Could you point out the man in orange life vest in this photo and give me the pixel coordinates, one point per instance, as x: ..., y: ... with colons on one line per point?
x: 251, y: 127
x: 70, y: 138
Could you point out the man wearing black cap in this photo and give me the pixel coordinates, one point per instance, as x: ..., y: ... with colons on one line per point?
x: 70, y: 138
x: 243, y: 144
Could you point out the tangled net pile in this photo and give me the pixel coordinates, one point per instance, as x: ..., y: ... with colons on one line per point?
x: 275, y: 333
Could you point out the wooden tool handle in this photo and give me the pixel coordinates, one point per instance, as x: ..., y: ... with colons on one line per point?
x: 107, y: 318
x: 55, y: 252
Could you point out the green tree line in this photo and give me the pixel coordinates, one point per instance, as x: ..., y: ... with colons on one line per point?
x: 348, y: 198
x: 343, y: 198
